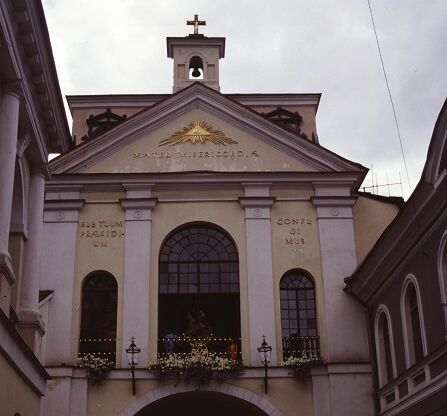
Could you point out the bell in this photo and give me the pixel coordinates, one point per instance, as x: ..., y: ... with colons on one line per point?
x: 196, y: 73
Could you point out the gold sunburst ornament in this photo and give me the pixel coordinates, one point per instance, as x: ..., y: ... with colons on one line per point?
x: 197, y: 132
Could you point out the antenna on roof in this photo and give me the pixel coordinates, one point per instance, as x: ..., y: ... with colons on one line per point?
x: 375, y: 187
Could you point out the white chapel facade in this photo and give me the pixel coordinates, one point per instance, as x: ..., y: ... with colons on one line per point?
x: 222, y: 205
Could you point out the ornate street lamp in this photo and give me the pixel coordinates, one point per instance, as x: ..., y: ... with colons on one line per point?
x: 265, y: 353
x: 132, y: 358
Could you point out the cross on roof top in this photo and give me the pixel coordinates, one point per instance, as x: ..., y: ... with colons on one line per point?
x: 196, y: 22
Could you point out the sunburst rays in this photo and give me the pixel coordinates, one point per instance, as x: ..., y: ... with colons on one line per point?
x: 197, y: 132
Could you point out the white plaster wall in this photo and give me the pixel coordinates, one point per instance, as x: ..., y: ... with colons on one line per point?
x: 345, y: 319
x: 57, y: 274
x: 261, y: 312
x: 136, y: 288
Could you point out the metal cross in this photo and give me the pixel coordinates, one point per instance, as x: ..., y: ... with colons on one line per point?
x: 196, y: 22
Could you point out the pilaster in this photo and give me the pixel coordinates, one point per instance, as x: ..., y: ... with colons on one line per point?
x: 61, y: 214
x: 136, y: 314
x: 261, y: 300
x: 346, y: 329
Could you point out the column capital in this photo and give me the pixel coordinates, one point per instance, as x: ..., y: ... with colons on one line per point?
x: 256, y: 207
x: 13, y: 88
x: 62, y: 210
x: 256, y: 202
x: 138, y: 209
x: 23, y: 142
x: 42, y: 170
x: 334, y: 206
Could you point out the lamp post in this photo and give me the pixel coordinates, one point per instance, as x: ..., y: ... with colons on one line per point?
x: 132, y: 358
x: 265, y: 353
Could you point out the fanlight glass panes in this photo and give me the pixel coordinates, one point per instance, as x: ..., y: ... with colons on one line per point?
x: 199, y: 259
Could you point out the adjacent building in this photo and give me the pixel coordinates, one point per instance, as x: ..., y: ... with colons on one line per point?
x: 32, y: 124
x: 402, y: 284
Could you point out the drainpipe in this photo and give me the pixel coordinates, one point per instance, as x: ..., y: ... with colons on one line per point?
x: 371, y: 343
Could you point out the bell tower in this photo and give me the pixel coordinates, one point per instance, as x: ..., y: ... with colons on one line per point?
x: 196, y: 57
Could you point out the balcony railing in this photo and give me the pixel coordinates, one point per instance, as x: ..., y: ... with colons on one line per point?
x: 101, y: 347
x: 224, y: 346
x: 294, y: 346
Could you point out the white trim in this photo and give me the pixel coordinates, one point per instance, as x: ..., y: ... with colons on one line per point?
x: 411, y: 279
x: 171, y: 390
x: 383, y: 309
x: 424, y: 392
x: 442, y: 276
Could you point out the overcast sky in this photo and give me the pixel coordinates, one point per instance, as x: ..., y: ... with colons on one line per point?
x: 288, y: 46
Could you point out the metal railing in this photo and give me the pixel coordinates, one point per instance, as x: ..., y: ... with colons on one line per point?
x: 295, y: 346
x: 101, y: 347
x: 224, y: 346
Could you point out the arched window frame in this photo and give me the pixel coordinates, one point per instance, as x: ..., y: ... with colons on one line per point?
x: 219, y: 343
x: 442, y: 276
x: 406, y: 321
x: 306, y: 344
x: 384, y: 377
x: 88, y: 277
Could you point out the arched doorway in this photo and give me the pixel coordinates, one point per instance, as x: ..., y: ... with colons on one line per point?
x: 199, y: 290
x: 201, y: 403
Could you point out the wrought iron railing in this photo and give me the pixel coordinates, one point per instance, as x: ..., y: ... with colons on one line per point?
x: 225, y: 346
x: 295, y: 346
x: 101, y: 347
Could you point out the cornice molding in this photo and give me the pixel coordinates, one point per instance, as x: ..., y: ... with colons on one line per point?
x: 195, y: 180
x: 138, y: 203
x: 333, y: 201
x: 64, y: 204
x: 256, y: 202
x: 147, y: 100
x: 32, y: 61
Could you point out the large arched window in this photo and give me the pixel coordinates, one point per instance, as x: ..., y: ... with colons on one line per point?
x: 414, y: 334
x: 199, y: 288
x: 384, y: 346
x: 98, y: 315
x: 298, y: 313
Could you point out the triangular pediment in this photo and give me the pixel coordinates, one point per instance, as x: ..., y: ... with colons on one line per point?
x: 199, y: 129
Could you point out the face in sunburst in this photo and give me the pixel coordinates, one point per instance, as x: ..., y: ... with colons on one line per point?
x: 197, y: 132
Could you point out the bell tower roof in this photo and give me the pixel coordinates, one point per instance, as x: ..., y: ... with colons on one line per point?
x: 196, y: 57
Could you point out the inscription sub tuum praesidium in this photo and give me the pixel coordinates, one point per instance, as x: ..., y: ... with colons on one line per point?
x: 100, y: 232
x: 295, y: 228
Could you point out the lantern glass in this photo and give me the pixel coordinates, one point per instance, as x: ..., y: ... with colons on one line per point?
x: 132, y: 353
x: 265, y: 352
